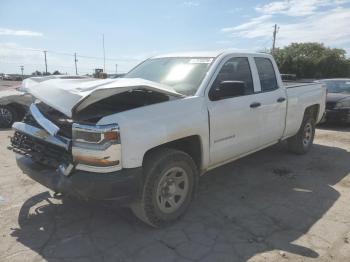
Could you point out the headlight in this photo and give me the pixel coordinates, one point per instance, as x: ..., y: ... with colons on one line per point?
x: 96, y: 148
x: 343, y: 104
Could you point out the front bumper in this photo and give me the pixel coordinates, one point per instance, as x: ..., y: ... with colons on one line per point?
x: 337, y: 115
x: 121, y: 186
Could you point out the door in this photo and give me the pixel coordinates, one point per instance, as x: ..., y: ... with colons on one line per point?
x: 273, y: 102
x: 234, y: 128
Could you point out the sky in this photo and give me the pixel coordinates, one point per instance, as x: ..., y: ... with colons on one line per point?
x: 135, y: 30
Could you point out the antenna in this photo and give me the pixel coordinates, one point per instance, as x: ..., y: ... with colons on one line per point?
x: 104, y: 53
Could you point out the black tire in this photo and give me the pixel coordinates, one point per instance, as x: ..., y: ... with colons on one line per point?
x: 8, y: 115
x: 150, y: 207
x: 303, y: 140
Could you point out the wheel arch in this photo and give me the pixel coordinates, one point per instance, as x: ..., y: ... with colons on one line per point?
x: 191, y: 145
x: 312, y: 110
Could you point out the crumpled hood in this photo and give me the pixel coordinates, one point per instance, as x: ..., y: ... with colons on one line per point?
x: 335, y: 97
x: 70, y: 95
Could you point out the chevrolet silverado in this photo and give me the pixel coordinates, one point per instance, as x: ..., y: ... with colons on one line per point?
x: 144, y: 140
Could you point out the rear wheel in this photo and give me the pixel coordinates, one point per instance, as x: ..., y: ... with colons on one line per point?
x: 303, y: 140
x: 8, y: 116
x: 170, y: 177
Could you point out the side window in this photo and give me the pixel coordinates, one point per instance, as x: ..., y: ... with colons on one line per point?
x: 236, y: 69
x: 266, y: 73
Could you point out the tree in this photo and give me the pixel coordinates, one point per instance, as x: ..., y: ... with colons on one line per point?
x: 56, y: 72
x: 312, y: 60
x: 36, y: 73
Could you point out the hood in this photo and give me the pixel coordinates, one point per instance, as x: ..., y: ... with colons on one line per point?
x: 335, y: 97
x: 33, y: 81
x: 71, y: 95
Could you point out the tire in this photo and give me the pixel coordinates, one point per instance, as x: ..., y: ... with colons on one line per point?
x: 303, y: 140
x: 8, y: 116
x: 170, y: 177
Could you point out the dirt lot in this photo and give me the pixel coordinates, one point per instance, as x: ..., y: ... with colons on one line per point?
x: 6, y: 85
x: 271, y: 206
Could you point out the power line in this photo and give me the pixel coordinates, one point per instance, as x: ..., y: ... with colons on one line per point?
x: 274, y: 39
x: 69, y: 54
x: 22, y: 69
x: 75, y: 62
x: 104, y: 53
x: 45, y: 61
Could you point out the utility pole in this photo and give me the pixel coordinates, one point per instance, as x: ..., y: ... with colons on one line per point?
x: 116, y: 68
x: 75, y: 62
x: 104, y: 53
x: 22, y: 68
x: 274, y: 39
x: 45, y: 62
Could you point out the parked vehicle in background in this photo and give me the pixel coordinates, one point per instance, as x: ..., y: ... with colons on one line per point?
x: 143, y: 140
x: 289, y: 77
x: 7, y: 77
x: 338, y: 100
x: 14, y: 103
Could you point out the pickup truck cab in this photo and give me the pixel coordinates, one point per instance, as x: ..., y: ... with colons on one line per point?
x: 144, y: 140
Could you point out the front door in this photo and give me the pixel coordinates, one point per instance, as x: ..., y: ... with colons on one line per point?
x: 234, y: 122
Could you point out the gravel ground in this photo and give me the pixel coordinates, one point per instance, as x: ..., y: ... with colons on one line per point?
x: 6, y: 85
x: 270, y: 206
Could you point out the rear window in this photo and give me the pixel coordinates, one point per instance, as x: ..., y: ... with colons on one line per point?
x: 266, y: 73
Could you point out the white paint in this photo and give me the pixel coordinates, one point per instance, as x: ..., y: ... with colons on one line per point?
x: 236, y: 129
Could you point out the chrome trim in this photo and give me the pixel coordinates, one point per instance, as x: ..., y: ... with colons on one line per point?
x: 97, y: 128
x: 42, y: 135
x: 66, y: 169
x: 50, y: 127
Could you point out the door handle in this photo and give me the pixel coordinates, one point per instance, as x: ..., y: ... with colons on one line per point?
x: 281, y: 99
x: 255, y: 105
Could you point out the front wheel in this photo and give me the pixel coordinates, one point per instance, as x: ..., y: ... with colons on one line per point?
x: 303, y: 140
x: 170, y: 178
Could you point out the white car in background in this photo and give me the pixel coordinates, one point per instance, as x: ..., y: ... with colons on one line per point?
x: 14, y: 103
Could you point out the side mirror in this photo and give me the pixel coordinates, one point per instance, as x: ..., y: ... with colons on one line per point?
x: 227, y: 89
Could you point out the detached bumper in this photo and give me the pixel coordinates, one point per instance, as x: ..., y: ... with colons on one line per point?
x: 122, y: 186
x: 338, y: 115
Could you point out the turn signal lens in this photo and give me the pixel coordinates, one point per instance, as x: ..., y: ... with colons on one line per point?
x: 111, y: 136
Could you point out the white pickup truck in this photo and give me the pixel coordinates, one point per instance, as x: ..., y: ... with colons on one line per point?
x: 144, y: 140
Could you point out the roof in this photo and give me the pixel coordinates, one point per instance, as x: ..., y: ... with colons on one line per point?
x: 204, y: 53
x: 335, y: 79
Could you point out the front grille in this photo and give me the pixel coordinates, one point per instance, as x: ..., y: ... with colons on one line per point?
x: 59, y: 119
x: 330, y: 105
x: 40, y: 151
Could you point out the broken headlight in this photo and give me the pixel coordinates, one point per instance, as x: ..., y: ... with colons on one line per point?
x: 96, y: 148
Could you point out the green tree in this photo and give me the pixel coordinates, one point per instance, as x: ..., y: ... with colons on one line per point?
x: 56, y: 73
x: 36, y: 73
x: 312, y: 60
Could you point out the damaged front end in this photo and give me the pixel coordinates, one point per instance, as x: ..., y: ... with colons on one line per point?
x: 51, y: 139
x: 61, y: 145
x: 73, y: 159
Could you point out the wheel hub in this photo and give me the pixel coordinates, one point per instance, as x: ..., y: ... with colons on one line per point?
x: 172, y: 189
x: 307, y: 134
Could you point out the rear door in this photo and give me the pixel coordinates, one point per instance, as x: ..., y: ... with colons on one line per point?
x: 272, y: 99
x: 234, y: 128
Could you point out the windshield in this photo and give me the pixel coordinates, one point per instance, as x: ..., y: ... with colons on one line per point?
x: 184, y: 75
x: 338, y: 86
